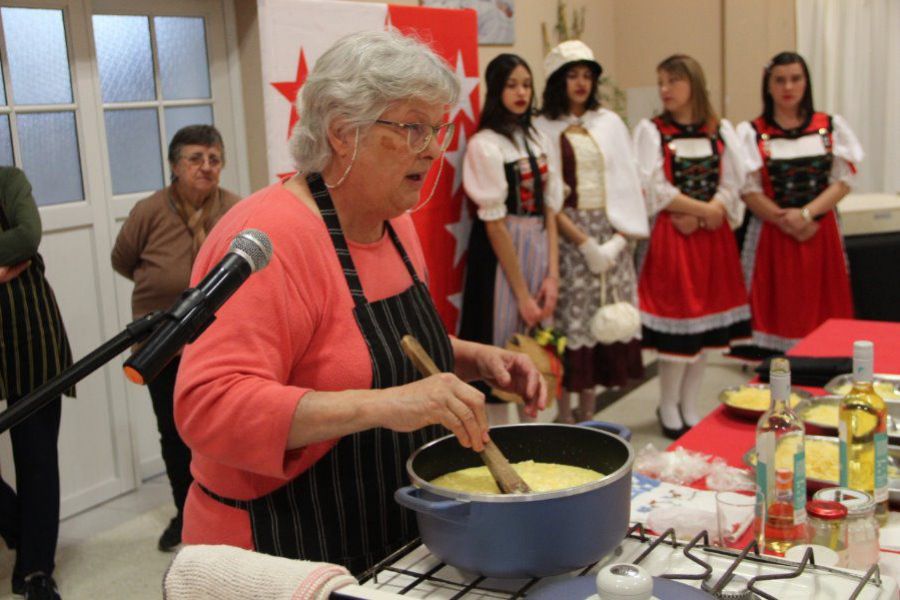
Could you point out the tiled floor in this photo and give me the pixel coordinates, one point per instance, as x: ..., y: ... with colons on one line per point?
x: 110, y: 551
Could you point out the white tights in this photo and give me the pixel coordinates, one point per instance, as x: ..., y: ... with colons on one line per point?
x: 679, y: 385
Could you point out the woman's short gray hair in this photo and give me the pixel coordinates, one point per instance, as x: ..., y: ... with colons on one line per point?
x: 356, y: 80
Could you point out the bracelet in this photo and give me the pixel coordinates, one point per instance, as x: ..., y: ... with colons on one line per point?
x: 807, y: 216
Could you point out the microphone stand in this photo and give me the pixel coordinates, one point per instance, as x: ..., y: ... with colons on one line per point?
x: 135, y: 332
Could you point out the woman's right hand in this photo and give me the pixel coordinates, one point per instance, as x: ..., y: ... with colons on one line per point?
x: 442, y: 399
x: 714, y: 215
x: 11, y: 272
x: 685, y: 224
x: 530, y: 311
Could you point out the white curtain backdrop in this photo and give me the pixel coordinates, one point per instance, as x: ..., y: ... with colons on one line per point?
x: 853, y: 51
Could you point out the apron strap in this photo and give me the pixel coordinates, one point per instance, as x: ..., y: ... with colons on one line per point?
x: 537, y: 177
x: 241, y: 504
x: 332, y: 222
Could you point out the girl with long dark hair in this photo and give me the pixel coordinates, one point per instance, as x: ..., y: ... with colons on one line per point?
x: 602, y: 209
x: 801, y: 163
x: 692, y: 295
x: 513, y: 269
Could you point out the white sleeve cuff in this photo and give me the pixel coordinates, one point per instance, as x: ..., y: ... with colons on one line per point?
x: 492, y: 213
x: 842, y: 170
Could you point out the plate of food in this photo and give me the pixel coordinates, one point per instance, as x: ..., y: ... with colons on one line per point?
x: 823, y: 466
x: 888, y: 387
x: 819, y: 414
x: 751, y: 400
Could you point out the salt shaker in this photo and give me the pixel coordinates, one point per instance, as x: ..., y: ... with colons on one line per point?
x: 862, y: 528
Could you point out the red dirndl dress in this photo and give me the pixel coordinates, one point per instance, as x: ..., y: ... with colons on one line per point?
x: 794, y: 286
x: 691, y: 292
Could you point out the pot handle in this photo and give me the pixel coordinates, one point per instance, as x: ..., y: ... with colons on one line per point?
x: 619, y: 430
x: 448, y: 510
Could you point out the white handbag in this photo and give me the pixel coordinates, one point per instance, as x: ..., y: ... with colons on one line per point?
x: 616, y: 322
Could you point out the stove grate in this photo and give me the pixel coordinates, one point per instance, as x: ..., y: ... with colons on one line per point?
x: 637, y: 532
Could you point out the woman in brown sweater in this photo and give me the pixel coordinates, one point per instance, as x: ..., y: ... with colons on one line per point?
x: 155, y: 249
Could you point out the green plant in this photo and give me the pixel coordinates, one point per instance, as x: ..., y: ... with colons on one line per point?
x: 564, y: 31
x: 613, y: 97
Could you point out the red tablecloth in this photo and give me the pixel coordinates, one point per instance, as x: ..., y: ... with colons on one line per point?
x: 722, y: 435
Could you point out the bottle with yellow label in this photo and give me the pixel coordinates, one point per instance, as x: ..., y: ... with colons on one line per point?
x: 780, y: 468
x: 862, y: 426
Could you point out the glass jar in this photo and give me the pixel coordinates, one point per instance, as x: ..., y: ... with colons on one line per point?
x: 827, y: 526
x: 862, y: 528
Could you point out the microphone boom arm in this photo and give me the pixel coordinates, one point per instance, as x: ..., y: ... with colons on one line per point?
x: 135, y: 332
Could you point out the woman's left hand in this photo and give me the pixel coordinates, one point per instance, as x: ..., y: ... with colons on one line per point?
x: 793, y: 221
x: 807, y: 232
x: 547, y: 296
x: 513, y: 372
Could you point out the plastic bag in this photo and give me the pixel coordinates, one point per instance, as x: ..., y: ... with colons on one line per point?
x: 687, y: 522
x: 724, y: 478
x: 677, y: 466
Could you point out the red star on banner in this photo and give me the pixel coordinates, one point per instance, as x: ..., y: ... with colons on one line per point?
x: 290, y: 89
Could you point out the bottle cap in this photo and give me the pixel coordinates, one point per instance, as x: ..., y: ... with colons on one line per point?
x: 856, y: 501
x: 828, y: 510
x: 863, y: 349
x: 863, y: 359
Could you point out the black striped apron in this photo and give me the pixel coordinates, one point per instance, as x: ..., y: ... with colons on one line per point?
x: 34, y: 347
x: 342, y: 509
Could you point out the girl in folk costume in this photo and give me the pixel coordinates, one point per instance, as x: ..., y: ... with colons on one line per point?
x: 800, y: 164
x: 692, y: 295
x: 602, y: 208
x: 513, y: 268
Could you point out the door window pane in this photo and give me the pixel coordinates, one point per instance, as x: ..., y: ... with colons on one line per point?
x: 183, y: 64
x: 124, y: 58
x: 2, y: 88
x: 49, y: 145
x: 6, y: 151
x: 132, y: 137
x: 38, y: 58
x: 182, y: 116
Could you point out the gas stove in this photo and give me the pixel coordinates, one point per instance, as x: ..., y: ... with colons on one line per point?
x: 686, y: 567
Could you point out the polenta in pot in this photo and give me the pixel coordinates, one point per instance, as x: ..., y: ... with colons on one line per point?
x: 540, y: 477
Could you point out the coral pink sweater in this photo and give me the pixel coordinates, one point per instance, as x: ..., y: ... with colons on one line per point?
x: 289, y: 329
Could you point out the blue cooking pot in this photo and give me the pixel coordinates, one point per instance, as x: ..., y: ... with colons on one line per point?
x: 525, y: 535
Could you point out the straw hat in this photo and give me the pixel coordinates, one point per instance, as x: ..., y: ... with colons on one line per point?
x: 568, y: 52
x: 546, y: 362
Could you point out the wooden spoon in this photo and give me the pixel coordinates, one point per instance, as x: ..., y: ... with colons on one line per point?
x: 506, y: 477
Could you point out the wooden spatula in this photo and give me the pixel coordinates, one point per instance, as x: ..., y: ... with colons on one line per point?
x: 506, y: 477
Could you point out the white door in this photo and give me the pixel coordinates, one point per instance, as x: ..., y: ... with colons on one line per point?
x: 50, y: 125
x: 161, y: 65
x: 91, y: 94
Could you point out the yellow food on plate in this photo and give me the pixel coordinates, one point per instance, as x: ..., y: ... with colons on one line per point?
x: 885, y: 389
x: 753, y: 398
x: 822, y: 414
x: 821, y: 459
x: 540, y: 477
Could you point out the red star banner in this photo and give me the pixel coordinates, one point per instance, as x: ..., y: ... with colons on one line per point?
x: 289, y: 90
x: 292, y: 37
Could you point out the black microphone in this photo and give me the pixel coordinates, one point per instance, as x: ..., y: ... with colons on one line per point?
x: 193, y: 312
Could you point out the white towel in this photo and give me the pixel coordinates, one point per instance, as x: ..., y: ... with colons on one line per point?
x: 226, y: 573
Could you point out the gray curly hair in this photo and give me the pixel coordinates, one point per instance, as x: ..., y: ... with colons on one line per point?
x: 356, y: 80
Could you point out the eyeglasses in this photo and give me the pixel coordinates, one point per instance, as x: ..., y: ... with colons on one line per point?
x: 198, y: 158
x: 419, y: 135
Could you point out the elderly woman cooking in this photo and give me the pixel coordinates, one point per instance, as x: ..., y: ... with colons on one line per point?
x: 156, y: 248
x: 298, y: 402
